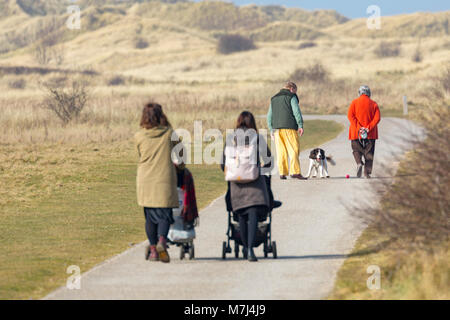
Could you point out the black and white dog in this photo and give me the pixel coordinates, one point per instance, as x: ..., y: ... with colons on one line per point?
x: 318, y: 162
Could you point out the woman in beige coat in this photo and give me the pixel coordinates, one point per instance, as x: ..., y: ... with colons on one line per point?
x: 156, y: 179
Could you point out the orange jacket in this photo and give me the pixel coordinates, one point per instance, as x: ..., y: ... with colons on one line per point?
x: 363, y: 112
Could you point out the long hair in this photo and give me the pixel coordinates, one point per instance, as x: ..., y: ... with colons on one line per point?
x: 246, y: 120
x: 153, y: 116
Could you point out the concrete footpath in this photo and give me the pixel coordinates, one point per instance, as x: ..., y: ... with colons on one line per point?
x: 313, y: 230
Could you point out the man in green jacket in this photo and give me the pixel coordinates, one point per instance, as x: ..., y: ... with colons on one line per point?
x: 285, y: 118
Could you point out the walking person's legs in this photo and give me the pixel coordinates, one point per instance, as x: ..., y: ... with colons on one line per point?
x: 151, y: 229
x: 369, y: 154
x: 159, y: 221
x: 243, y: 229
x: 163, y: 229
x: 152, y: 235
x: 357, y: 154
x: 248, y: 225
x: 293, y: 147
x: 252, y: 229
x: 282, y: 155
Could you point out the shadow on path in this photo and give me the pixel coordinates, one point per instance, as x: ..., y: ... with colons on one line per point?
x: 315, y: 257
x: 374, y: 249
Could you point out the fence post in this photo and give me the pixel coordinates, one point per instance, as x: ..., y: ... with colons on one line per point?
x: 405, y: 105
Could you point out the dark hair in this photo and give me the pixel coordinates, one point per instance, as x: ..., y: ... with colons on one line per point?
x: 153, y: 116
x: 246, y: 120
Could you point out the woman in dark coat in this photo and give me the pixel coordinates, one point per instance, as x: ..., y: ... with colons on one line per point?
x: 250, y: 201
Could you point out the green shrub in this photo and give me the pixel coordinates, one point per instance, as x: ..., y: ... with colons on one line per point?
x: 315, y: 73
x: 17, y: 84
x: 388, y: 49
x: 141, y: 43
x: 116, y: 81
x: 234, y: 43
x: 306, y: 45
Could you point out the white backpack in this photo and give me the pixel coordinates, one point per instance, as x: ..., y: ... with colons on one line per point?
x: 241, y: 162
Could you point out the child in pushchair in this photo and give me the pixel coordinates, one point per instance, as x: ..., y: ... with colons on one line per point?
x: 263, y: 234
x: 182, y: 232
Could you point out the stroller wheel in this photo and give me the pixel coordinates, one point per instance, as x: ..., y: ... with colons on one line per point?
x: 266, y: 250
x: 274, y: 249
x: 224, y: 250
x: 191, y: 252
x: 182, y: 252
x: 236, y: 249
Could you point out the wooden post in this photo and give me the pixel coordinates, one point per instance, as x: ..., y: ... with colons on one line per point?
x: 405, y: 106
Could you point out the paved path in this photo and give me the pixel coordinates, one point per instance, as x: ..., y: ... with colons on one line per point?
x: 313, y: 230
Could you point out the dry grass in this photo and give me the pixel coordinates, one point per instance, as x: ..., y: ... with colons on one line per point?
x: 114, y: 117
x: 215, y: 15
x: 416, y: 208
x: 112, y: 111
x: 283, y: 31
x: 411, y: 276
x: 416, y: 25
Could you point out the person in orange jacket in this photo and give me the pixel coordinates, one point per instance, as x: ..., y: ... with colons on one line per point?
x: 364, y: 116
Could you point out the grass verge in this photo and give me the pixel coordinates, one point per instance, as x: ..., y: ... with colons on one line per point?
x: 404, y: 276
x: 67, y: 205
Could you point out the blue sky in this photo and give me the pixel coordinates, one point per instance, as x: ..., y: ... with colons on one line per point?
x: 357, y: 9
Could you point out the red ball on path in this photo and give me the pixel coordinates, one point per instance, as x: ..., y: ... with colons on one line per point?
x: 347, y: 176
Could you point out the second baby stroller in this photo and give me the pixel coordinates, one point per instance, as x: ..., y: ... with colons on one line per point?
x: 264, y: 232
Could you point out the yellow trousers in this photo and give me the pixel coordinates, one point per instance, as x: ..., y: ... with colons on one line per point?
x: 288, y: 146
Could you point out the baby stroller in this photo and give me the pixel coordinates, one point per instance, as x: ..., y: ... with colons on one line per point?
x: 182, y: 232
x: 263, y: 234
x: 182, y: 235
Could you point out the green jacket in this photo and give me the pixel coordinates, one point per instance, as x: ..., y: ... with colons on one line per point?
x: 156, y: 173
x: 284, y: 112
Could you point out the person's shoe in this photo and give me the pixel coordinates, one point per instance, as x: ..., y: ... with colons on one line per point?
x: 359, y: 170
x: 368, y: 176
x: 277, y: 204
x: 161, y: 248
x: 154, y: 256
x: 299, y: 177
x: 283, y: 177
x: 251, y: 255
